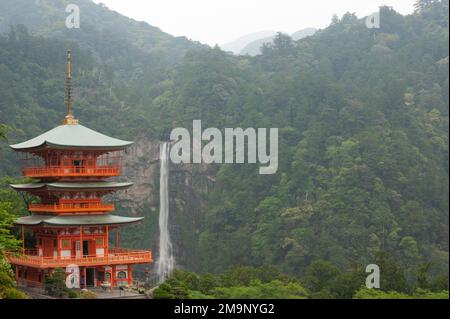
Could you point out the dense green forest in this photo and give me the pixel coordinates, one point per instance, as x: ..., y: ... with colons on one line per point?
x: 363, y: 119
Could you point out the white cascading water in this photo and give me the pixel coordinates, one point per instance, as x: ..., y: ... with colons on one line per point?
x: 166, y: 260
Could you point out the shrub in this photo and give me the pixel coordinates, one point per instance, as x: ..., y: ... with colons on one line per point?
x: 55, y: 285
x: 6, y: 281
x: 12, y: 293
x: 87, y: 294
x: 365, y: 293
x: 73, y: 294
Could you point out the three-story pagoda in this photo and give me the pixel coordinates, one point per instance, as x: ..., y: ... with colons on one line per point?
x: 72, y: 166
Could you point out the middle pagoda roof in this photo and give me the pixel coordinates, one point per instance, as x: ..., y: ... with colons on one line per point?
x: 52, y: 220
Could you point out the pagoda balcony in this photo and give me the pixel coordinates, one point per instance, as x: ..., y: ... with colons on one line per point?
x: 76, y: 207
x: 120, y: 256
x: 72, y: 171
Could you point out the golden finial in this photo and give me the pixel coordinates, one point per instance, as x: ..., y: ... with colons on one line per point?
x: 69, y: 119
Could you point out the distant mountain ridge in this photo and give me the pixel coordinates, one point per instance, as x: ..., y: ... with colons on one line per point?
x: 238, y: 44
x: 251, y: 43
x: 254, y: 48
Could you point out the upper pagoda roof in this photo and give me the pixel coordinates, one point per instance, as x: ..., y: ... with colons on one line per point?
x: 72, y: 136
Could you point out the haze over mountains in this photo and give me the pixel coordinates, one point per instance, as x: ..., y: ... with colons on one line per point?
x: 251, y: 43
x: 254, y: 48
x: 101, y: 28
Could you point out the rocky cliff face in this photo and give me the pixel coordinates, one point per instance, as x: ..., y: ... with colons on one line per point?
x: 141, y: 166
x: 189, y: 185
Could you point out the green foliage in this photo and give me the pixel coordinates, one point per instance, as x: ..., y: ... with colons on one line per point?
x: 325, y: 281
x: 73, y: 294
x: 207, y: 283
x: 393, y: 277
x: 12, y: 293
x: 7, y: 239
x: 171, y: 289
x: 271, y: 290
x: 239, y: 282
x: 355, y: 135
x: 55, y: 284
x: 7, y: 288
x: 243, y: 275
x: 87, y: 294
x: 3, y: 129
x: 319, y: 276
x: 419, y: 294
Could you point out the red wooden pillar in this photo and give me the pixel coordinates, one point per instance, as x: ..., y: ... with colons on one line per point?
x: 23, y: 240
x: 107, y: 241
x: 130, y: 276
x: 113, y: 276
x: 84, y: 273
x: 81, y: 241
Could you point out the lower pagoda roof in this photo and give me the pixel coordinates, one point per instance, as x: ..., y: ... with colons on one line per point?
x: 34, y: 220
x: 71, y: 186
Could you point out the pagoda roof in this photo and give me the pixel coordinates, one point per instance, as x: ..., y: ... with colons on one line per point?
x: 71, y: 186
x: 34, y: 220
x: 72, y: 136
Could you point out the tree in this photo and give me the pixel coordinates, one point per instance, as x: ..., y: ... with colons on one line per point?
x: 207, y: 283
x: 319, y: 277
x: 7, y: 240
x: 334, y: 19
x: 392, y: 277
x: 55, y: 284
x: 422, y: 276
x: 283, y: 44
x: 3, y: 129
x: 419, y: 5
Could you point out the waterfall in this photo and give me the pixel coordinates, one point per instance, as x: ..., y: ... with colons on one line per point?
x: 166, y: 260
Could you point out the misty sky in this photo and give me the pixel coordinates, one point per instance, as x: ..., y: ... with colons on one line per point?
x: 220, y: 21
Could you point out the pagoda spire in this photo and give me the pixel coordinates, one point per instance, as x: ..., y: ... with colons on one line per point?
x: 69, y: 119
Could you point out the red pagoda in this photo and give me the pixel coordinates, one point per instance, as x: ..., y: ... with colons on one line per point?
x: 71, y: 165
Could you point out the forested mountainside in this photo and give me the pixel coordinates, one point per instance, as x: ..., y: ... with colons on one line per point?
x: 110, y: 36
x: 362, y: 114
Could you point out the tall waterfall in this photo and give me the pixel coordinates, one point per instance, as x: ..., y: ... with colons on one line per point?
x: 166, y: 260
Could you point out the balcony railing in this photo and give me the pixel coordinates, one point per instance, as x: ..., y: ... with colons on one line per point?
x: 113, y: 257
x: 71, y: 207
x: 71, y: 171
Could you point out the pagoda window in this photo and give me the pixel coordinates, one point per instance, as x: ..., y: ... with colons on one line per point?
x: 99, y: 242
x: 65, y: 243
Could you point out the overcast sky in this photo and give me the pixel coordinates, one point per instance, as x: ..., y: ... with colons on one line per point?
x: 220, y: 21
